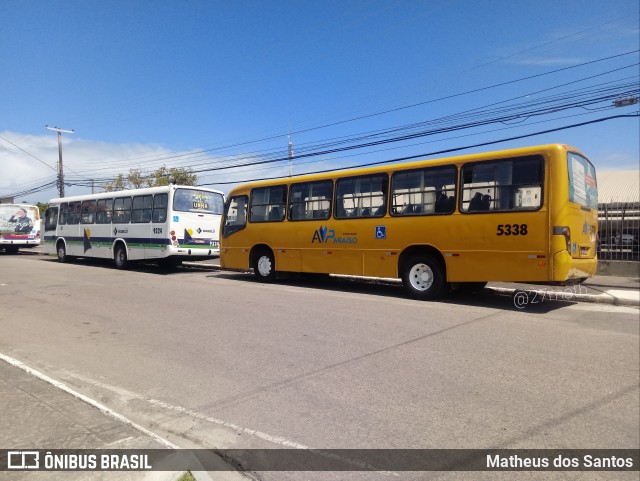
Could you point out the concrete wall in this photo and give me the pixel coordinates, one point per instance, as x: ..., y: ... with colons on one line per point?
x: 619, y: 268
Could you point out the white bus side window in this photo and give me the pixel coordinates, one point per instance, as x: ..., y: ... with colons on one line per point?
x: 63, y: 213
x: 160, y: 208
x: 88, y: 212
x: 122, y: 210
x: 73, y: 215
x: 141, y: 211
x: 103, y: 213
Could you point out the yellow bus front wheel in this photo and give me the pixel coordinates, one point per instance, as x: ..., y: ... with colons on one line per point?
x: 264, y: 266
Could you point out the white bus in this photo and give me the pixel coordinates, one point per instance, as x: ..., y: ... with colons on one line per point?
x: 168, y: 223
x: 19, y: 227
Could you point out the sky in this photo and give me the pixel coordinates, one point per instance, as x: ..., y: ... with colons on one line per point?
x: 209, y: 85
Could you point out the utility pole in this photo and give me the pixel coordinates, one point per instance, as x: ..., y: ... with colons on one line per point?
x: 290, y: 150
x: 60, y: 170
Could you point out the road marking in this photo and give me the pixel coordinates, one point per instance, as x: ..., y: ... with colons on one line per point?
x: 129, y: 395
x: 199, y: 475
x: 620, y: 294
x: 279, y: 440
x: 259, y: 434
x: 88, y: 400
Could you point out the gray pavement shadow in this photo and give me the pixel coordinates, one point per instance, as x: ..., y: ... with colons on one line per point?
x: 21, y: 252
x: 147, y: 267
x: 485, y: 298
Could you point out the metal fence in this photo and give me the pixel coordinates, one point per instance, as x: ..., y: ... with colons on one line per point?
x: 619, y: 231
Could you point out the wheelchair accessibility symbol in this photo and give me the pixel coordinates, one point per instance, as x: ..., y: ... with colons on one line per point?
x: 381, y: 232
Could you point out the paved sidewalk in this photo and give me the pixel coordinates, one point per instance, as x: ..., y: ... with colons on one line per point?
x: 38, y: 415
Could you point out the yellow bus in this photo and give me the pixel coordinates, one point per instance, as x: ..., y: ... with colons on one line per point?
x: 518, y: 215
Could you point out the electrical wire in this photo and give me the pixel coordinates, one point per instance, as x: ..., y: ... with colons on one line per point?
x: 439, y: 152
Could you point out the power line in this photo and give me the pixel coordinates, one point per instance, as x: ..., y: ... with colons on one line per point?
x: 473, y: 118
x: 439, y: 130
x: 445, y: 151
x: 478, y: 113
x: 28, y: 153
x: 34, y: 190
x: 399, y: 159
x: 191, y: 153
x: 536, y: 108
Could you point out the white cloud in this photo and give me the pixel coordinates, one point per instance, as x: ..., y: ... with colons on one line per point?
x: 18, y: 166
x: 29, y: 161
x: 615, y: 161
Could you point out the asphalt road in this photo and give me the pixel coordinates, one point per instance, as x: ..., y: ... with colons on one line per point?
x: 214, y: 359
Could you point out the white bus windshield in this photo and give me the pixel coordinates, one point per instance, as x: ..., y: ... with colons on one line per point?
x: 199, y: 201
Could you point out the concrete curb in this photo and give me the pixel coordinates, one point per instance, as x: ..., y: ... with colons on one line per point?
x: 545, y: 294
x: 566, y: 296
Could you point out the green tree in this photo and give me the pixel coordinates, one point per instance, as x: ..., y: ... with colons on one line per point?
x: 174, y: 175
x: 42, y: 207
x: 119, y: 183
x: 136, y: 179
x: 162, y: 176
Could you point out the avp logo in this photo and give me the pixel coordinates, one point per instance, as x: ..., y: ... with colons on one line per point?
x: 323, y: 234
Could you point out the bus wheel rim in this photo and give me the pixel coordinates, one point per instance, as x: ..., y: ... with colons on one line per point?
x: 61, y: 252
x: 421, y: 277
x: 264, y: 266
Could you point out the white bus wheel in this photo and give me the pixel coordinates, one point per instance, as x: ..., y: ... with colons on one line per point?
x: 62, y: 252
x: 120, y: 257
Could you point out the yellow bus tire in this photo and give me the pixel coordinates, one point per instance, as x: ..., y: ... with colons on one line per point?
x: 423, y: 277
x: 264, y: 265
